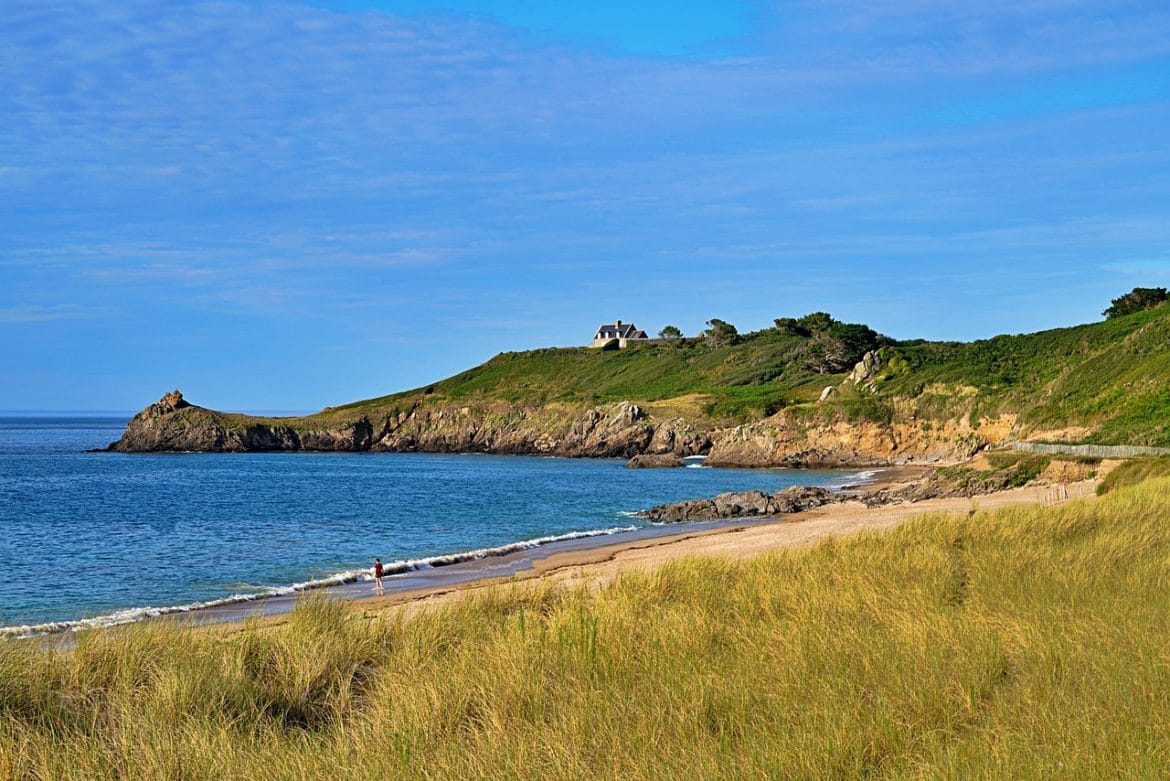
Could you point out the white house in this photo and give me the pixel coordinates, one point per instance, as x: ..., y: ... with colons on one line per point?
x: 623, y: 332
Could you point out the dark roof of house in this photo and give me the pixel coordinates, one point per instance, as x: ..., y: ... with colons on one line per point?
x: 625, y: 331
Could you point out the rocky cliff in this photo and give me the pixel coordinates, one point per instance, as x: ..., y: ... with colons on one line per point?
x: 621, y: 429
x: 614, y: 430
x: 783, y: 442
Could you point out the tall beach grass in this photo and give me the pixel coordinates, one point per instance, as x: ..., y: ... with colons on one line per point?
x: 1028, y: 643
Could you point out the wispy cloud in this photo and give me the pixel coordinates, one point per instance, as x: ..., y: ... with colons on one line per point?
x: 43, y: 313
x: 226, y: 167
x: 1158, y: 269
x: 928, y: 38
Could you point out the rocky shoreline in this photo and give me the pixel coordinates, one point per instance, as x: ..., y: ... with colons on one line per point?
x: 615, y: 430
x: 966, y: 482
x: 743, y: 504
x: 621, y: 430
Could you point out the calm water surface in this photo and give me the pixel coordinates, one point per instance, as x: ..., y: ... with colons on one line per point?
x: 87, y: 534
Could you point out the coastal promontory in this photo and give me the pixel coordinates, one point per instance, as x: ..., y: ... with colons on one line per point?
x: 810, y: 391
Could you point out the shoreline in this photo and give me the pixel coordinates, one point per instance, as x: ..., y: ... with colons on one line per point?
x: 441, y: 574
x: 518, y: 564
x: 596, y: 560
x: 524, y: 562
x: 436, y: 572
x: 599, y: 564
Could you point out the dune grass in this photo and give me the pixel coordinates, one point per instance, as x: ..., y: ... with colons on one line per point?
x: 1028, y: 643
x: 1133, y: 472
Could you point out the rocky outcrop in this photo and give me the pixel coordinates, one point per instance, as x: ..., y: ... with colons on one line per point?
x: 863, y: 375
x: 742, y: 504
x: 613, y: 430
x: 168, y: 427
x: 620, y: 429
x: 655, y: 461
x: 168, y: 403
x: 679, y: 437
x: 864, y: 372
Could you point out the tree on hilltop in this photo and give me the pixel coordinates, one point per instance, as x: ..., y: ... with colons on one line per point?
x: 833, y: 346
x: 669, y: 332
x: 816, y: 322
x: 1136, y: 300
x: 720, y: 333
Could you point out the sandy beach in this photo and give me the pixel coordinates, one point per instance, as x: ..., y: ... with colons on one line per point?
x: 597, y: 563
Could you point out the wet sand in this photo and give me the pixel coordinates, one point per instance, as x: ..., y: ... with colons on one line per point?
x: 433, y: 580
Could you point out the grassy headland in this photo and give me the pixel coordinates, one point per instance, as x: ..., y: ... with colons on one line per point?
x: 783, y: 396
x: 1109, y: 378
x: 1024, y: 643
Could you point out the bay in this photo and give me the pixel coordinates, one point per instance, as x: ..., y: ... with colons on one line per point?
x: 87, y: 534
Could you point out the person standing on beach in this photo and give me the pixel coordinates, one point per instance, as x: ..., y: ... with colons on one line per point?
x: 378, y: 589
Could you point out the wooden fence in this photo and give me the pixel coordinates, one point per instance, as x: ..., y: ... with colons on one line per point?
x: 1088, y: 451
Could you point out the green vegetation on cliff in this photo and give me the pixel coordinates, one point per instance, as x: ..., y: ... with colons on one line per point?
x: 1102, y: 383
x: 1110, y: 378
x: 1005, y: 470
x: 1026, y: 644
x: 1113, y: 377
x: 739, y: 376
x: 1136, y: 300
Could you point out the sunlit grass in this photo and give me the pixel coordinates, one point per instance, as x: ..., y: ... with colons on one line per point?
x: 1028, y: 643
x: 1134, y: 471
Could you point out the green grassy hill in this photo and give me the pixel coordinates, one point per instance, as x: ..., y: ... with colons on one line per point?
x: 1025, y: 644
x: 1102, y: 383
x: 748, y: 379
x: 1112, y: 378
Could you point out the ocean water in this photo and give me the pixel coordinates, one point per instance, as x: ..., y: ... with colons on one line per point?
x: 89, y: 535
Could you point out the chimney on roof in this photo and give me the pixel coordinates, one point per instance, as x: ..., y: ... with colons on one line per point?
x: 619, y: 325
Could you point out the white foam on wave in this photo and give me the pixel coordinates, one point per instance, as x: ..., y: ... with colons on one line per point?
x: 409, y: 565
x: 856, y: 478
x: 403, y: 566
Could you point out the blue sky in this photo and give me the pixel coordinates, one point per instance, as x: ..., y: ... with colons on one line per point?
x: 283, y: 205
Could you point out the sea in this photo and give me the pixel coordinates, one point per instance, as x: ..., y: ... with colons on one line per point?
x: 93, y: 539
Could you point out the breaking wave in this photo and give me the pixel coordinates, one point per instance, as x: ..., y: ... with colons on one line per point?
x: 400, y: 567
x: 857, y: 478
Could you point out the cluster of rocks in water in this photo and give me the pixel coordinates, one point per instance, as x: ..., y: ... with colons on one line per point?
x: 655, y: 461
x: 754, y: 504
x: 743, y: 504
